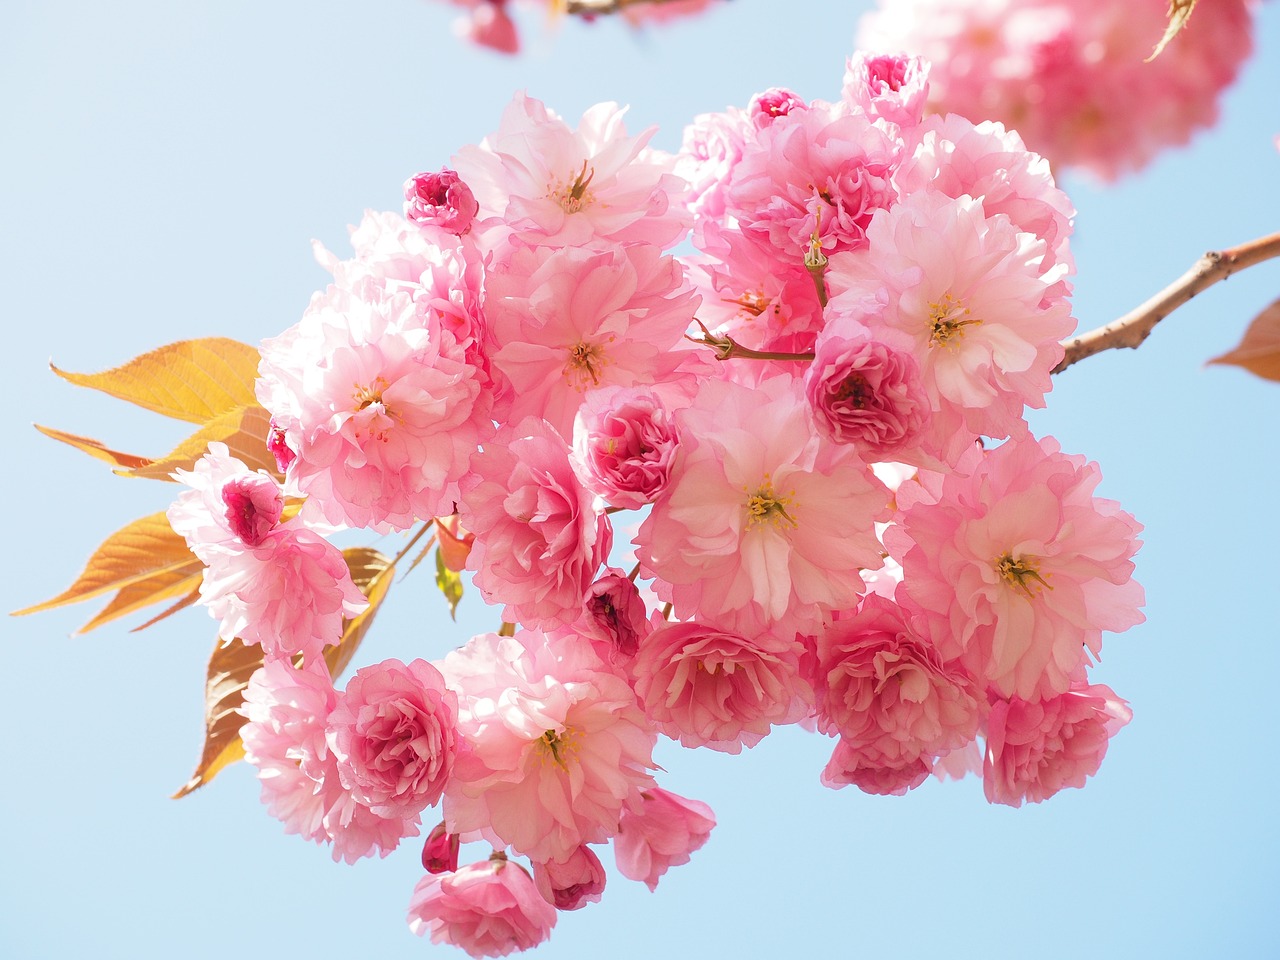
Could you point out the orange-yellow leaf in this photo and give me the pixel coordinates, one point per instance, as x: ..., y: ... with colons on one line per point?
x: 1179, y: 13
x: 192, y: 380
x: 242, y: 429
x: 95, y: 448
x: 145, y: 550
x: 1259, y: 349
x: 163, y: 586
x: 231, y: 666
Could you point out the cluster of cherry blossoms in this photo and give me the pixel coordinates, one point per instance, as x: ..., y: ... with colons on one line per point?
x: 846, y: 521
x: 1071, y: 75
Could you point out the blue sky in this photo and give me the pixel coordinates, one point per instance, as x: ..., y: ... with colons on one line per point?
x: 165, y: 169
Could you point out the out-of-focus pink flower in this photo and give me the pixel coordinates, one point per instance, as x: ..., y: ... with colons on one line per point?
x: 1019, y: 567
x: 615, y: 616
x: 440, y: 851
x: 279, y: 585
x: 539, y: 537
x: 572, y: 883
x: 1071, y: 75
x: 488, y: 909
x: 765, y: 524
x: 441, y: 199
x: 662, y: 834
x: 624, y: 440
x: 873, y: 773
x: 889, y: 87
x: 393, y: 733
x: 884, y: 687
x: 558, y: 747
x: 1036, y: 748
x: 711, y: 688
x: 712, y: 146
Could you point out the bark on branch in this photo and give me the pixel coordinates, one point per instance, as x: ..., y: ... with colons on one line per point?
x: 1136, y: 325
x: 592, y: 8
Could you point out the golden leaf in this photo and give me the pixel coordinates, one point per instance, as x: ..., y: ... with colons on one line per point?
x: 1179, y: 14
x: 231, y: 666
x: 96, y: 448
x: 192, y: 380
x: 242, y: 429
x: 1259, y: 349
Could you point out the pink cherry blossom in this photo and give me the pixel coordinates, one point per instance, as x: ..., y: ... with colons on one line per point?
x: 1072, y: 75
x: 539, y: 536
x: 442, y: 199
x: 1036, y: 748
x: 712, y: 146
x: 572, y: 883
x: 710, y: 688
x: 614, y: 619
x: 282, y: 586
x: 440, y: 851
x: 557, y: 748
x: 488, y: 909
x: 765, y: 524
x: 874, y: 773
x: 882, y: 685
x: 1019, y: 567
x: 889, y: 87
x: 393, y: 733
x: 379, y: 402
x: 624, y: 441
x: 559, y: 187
x: 662, y: 834
x: 773, y: 103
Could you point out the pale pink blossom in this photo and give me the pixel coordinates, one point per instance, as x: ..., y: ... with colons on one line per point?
x: 286, y: 711
x: 550, y: 185
x: 380, y: 403
x: 1036, y: 748
x: 886, y: 86
x: 566, y: 322
x: 663, y: 833
x: 874, y: 773
x: 1072, y: 75
x: 488, y: 909
x: 884, y: 688
x: 540, y: 537
x: 393, y: 733
x: 765, y: 524
x: 442, y: 199
x: 624, y: 441
x: 1019, y: 567
x: 712, y: 146
x: 557, y: 747
x: 711, y: 688
x: 775, y: 102
x: 571, y: 883
x: 280, y: 585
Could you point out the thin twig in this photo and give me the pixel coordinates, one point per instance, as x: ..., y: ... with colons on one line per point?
x: 592, y: 8
x: 1136, y: 325
x: 727, y: 348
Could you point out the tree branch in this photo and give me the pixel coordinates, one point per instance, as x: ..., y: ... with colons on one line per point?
x: 1136, y: 325
x: 592, y: 8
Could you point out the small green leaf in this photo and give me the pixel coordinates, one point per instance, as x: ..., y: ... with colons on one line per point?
x: 450, y: 584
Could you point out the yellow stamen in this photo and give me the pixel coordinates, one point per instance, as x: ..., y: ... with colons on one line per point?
x: 947, y: 319
x: 764, y: 505
x: 1016, y: 572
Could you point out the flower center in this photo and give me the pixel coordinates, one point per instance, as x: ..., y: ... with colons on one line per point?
x: 947, y: 319
x: 377, y: 422
x: 765, y: 506
x: 560, y: 746
x: 583, y: 367
x: 1016, y: 572
x: 576, y: 195
x: 854, y: 390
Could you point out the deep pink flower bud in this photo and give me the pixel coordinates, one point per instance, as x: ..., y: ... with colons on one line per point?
x: 615, y: 614
x: 279, y: 448
x: 773, y: 103
x: 441, y: 199
x: 440, y: 852
x: 491, y: 26
x: 573, y: 883
x: 254, y: 504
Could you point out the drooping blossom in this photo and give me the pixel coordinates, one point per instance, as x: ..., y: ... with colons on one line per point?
x: 442, y: 199
x: 440, y: 850
x: 558, y: 749
x: 884, y: 688
x: 392, y: 731
x: 711, y: 688
x: 1036, y: 748
x: 539, y: 536
x: 286, y: 711
x: 1019, y: 567
x: 554, y: 186
x: 488, y: 909
x: 1072, y: 76
x: 874, y: 773
x: 624, y: 441
x: 380, y: 404
x: 887, y: 86
x: 565, y: 322
x: 280, y: 585
x: 663, y: 833
x: 765, y: 524
x: 572, y: 883
x: 614, y: 618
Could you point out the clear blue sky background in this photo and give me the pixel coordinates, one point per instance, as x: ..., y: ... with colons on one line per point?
x: 165, y: 166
